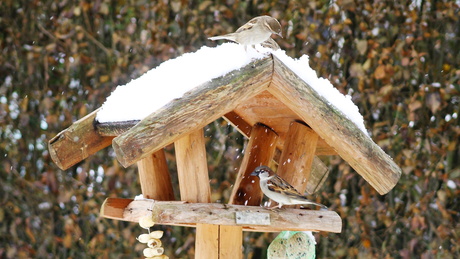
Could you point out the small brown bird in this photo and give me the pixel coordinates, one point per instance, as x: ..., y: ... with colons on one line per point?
x: 256, y: 31
x: 271, y: 44
x: 279, y: 190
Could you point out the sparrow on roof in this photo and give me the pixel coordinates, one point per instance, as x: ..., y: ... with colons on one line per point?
x: 256, y: 31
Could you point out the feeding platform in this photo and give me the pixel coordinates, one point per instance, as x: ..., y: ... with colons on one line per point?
x: 283, y: 117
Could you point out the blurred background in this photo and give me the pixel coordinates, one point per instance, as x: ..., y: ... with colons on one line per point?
x: 398, y: 60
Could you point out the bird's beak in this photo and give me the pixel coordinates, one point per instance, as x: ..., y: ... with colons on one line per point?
x: 279, y: 34
x: 254, y: 173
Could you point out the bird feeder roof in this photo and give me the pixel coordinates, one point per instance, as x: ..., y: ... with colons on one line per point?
x: 265, y: 90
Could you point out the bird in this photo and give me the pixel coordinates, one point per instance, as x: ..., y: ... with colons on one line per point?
x: 256, y: 31
x: 271, y: 44
x: 279, y: 190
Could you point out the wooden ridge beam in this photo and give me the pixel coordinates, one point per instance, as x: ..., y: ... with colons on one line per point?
x: 190, y: 214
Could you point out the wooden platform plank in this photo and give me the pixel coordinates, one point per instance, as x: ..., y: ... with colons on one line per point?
x: 190, y: 214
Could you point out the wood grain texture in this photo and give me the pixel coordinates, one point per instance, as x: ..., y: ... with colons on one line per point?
x: 192, y: 168
x: 358, y: 149
x: 239, y: 123
x: 319, y: 170
x: 115, y: 128
x: 318, y: 175
x: 77, y: 142
x: 207, y: 241
x: 230, y: 242
x: 190, y: 214
x: 154, y: 177
x: 197, y: 108
x: 297, y: 157
x: 267, y: 109
x: 259, y: 151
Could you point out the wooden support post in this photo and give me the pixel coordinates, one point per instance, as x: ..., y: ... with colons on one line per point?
x: 154, y: 177
x: 218, y: 241
x: 192, y: 168
x: 297, y: 156
x: 230, y: 242
x: 260, y: 151
x: 207, y: 241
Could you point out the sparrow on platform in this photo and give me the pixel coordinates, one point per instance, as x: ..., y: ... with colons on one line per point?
x: 256, y: 31
x: 277, y: 189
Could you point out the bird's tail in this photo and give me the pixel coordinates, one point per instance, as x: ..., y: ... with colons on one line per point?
x: 314, y: 203
x: 222, y: 37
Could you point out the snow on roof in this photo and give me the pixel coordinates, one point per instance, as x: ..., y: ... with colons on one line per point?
x: 173, y: 78
x: 323, y: 87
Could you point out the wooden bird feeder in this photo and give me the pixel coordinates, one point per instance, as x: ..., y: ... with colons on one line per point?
x: 266, y: 102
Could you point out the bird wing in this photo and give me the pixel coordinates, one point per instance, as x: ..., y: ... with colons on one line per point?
x: 248, y: 25
x: 279, y: 185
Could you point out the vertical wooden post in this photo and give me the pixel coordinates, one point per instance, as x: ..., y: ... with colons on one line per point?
x: 192, y: 168
x: 260, y: 151
x: 230, y: 242
x: 207, y: 241
x: 154, y: 177
x: 297, y: 156
x: 192, y: 171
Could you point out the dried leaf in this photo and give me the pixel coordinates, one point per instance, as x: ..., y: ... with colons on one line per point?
x: 379, y: 72
x: 356, y: 70
x: 361, y: 46
x: 433, y: 101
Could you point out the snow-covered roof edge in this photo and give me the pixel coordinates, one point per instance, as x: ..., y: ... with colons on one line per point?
x: 171, y: 79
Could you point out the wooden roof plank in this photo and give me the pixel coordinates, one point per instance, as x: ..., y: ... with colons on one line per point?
x: 355, y: 147
x: 77, y: 142
x: 193, y: 111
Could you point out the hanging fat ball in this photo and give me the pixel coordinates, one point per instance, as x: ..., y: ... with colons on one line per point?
x: 293, y: 245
